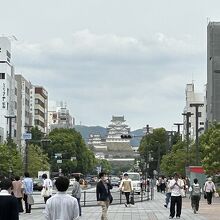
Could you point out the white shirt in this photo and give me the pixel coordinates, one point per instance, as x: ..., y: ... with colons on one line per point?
x: 48, y: 185
x: 61, y: 206
x: 176, y: 190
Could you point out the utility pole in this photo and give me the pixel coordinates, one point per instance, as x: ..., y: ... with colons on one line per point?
x: 178, y: 127
x: 10, y: 126
x: 188, y: 115
x: 158, y: 160
x: 27, y: 127
x: 197, y: 105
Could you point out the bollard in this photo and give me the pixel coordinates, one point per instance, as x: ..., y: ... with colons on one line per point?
x: 84, y: 202
x: 120, y: 197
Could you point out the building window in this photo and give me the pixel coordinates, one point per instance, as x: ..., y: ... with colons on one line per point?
x: 16, y: 91
x: 199, y: 114
x: 2, y: 75
x: 201, y: 123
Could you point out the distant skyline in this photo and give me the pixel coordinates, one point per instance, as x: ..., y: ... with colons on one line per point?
x: 118, y: 57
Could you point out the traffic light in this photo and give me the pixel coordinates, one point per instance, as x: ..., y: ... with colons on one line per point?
x: 126, y: 136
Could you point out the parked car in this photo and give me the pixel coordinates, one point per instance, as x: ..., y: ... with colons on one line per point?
x: 37, y: 184
x: 115, y: 181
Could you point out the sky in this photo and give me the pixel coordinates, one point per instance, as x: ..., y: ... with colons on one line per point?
x: 112, y: 57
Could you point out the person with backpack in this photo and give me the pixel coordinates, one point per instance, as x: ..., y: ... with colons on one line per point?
x: 195, y: 194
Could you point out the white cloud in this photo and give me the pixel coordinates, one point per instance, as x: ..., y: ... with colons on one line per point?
x: 103, y: 74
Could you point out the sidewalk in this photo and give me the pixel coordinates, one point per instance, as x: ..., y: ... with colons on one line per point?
x: 149, y: 210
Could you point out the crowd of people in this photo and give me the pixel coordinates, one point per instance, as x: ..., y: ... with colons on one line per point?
x: 65, y: 206
x: 177, y: 187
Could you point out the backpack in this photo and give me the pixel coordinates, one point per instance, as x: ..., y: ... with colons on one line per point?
x: 196, y: 190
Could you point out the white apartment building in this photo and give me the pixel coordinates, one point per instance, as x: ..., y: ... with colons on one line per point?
x: 8, y: 91
x: 193, y: 97
x: 60, y: 118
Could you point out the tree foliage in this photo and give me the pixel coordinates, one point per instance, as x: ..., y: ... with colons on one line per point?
x: 37, y: 160
x: 76, y: 157
x: 154, y: 144
x: 175, y: 160
x: 210, y: 145
x: 10, y: 160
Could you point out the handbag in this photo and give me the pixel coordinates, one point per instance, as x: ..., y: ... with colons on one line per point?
x: 205, y: 195
x: 45, y: 192
x: 132, y: 199
x: 216, y: 195
x: 30, y: 199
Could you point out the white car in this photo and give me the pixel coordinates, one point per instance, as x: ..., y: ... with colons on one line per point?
x: 72, y: 181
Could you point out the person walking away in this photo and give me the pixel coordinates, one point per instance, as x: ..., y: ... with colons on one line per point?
x: 61, y: 206
x: 127, y: 187
x: 76, y: 192
x: 168, y: 193
x: 28, y: 190
x: 8, y: 203
x: 103, y: 194
x: 18, y: 192
x: 195, y: 194
x: 47, y: 186
x: 176, y: 185
x: 209, y: 189
x: 162, y: 184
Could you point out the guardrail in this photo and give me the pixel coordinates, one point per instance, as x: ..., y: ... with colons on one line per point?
x: 88, y: 198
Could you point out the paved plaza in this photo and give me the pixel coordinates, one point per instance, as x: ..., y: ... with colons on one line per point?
x: 148, y: 210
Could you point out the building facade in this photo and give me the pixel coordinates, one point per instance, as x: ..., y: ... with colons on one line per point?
x: 23, y: 108
x: 8, y: 92
x: 39, y: 107
x: 60, y: 118
x: 116, y: 128
x: 193, y: 97
x: 213, y: 73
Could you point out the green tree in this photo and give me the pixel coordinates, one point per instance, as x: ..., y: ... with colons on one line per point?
x: 210, y: 149
x: 37, y: 160
x: 76, y: 157
x: 154, y: 144
x: 10, y: 160
x: 175, y: 161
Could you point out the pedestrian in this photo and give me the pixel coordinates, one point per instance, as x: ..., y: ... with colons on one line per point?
x: 168, y: 193
x: 176, y: 185
x: 47, y: 187
x: 195, y: 194
x: 28, y: 191
x: 126, y: 187
x: 76, y: 192
x: 8, y: 203
x: 61, y: 206
x: 18, y: 192
x: 209, y: 189
x: 103, y: 194
x: 162, y: 184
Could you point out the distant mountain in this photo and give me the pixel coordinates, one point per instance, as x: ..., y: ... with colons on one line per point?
x: 85, y: 131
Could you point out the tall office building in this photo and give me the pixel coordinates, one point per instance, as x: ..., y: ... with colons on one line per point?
x: 213, y: 73
x: 8, y: 92
x: 23, y: 108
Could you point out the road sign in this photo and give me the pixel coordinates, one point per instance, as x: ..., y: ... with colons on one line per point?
x: 59, y: 161
x: 27, y: 136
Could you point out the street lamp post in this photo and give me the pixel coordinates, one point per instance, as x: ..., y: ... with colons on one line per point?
x: 197, y: 105
x: 178, y: 127
x: 28, y: 127
x: 188, y: 115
